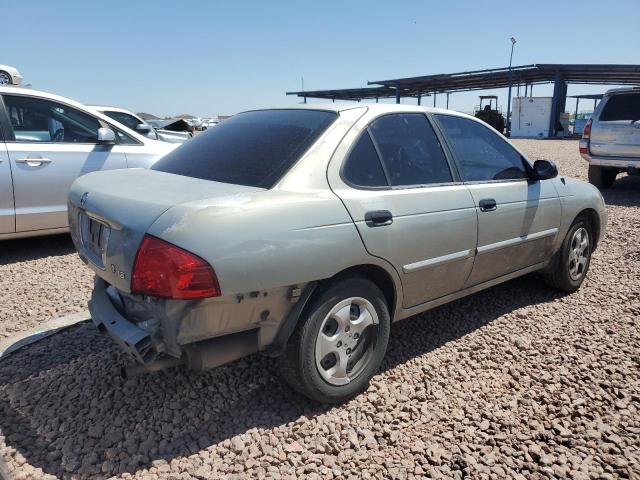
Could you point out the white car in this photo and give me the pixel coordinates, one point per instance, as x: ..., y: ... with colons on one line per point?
x: 134, y: 122
x: 9, y: 75
x: 46, y: 142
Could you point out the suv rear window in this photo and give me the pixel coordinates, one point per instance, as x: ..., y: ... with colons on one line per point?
x: 252, y: 148
x: 621, y: 107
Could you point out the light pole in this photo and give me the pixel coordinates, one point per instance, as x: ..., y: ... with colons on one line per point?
x: 513, y: 42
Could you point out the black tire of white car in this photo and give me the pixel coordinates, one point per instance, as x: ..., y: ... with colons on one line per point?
x: 5, y: 78
x: 558, y: 275
x: 602, y: 177
x: 299, y: 364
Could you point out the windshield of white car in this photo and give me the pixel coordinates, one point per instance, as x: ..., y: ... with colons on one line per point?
x: 123, y: 118
x: 252, y: 148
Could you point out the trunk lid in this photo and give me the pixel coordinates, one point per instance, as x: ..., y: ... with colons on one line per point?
x: 110, y: 212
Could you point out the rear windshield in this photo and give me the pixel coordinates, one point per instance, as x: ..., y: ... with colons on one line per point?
x: 621, y: 107
x: 252, y: 148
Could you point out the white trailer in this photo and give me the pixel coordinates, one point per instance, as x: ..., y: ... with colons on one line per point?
x: 530, y: 117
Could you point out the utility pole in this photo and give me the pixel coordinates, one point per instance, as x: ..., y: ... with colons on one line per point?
x: 513, y: 42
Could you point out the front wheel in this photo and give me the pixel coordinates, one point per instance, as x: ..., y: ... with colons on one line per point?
x: 570, y: 265
x: 602, y: 177
x: 339, y: 343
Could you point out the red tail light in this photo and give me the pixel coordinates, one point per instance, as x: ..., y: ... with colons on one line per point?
x: 164, y: 270
x: 586, y: 133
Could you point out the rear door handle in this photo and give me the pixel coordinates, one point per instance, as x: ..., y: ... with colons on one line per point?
x: 487, y: 204
x: 33, y: 161
x: 378, y: 218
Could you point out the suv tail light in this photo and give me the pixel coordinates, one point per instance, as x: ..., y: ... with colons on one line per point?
x: 164, y: 270
x: 586, y: 135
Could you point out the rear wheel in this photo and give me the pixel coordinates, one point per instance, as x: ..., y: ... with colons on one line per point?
x: 339, y: 343
x: 5, y: 78
x: 570, y: 265
x: 602, y: 177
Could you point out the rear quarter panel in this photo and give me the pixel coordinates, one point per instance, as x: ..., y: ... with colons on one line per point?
x: 268, y: 240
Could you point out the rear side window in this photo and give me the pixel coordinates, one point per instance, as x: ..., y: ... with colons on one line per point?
x: 410, y: 150
x: 363, y: 167
x: 621, y: 107
x: 252, y: 148
x: 481, y: 152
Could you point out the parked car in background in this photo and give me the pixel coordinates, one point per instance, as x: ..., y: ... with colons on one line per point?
x: 174, y: 130
x: 304, y: 232
x: 9, y: 75
x: 611, y: 138
x: 134, y: 122
x: 46, y: 142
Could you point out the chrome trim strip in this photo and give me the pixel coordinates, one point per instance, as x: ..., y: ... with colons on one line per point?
x: 432, y: 262
x: 515, y: 241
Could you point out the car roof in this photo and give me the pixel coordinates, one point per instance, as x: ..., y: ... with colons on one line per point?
x: 616, y: 91
x: 102, y: 108
x: 372, y: 107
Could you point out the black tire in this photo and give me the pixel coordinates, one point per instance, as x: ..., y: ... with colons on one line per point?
x: 602, y: 177
x: 558, y: 274
x: 298, y: 364
x: 5, y: 75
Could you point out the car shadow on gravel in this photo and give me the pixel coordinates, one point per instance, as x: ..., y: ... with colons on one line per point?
x: 65, y: 409
x: 624, y: 193
x: 33, y: 248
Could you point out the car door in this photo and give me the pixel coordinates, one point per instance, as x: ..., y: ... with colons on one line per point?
x: 518, y: 218
x: 616, y: 127
x: 52, y: 144
x: 7, y: 209
x: 409, y: 207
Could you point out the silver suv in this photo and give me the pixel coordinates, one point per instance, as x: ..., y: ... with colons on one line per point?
x: 611, y: 138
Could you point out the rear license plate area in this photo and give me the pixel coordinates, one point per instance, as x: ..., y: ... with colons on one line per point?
x: 94, y: 236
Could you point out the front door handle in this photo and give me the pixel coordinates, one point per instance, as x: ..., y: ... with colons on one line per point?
x: 33, y: 161
x: 378, y: 218
x: 487, y: 204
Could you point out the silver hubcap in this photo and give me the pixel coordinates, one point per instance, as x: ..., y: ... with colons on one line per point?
x: 578, y: 253
x: 346, y: 340
x: 4, y: 79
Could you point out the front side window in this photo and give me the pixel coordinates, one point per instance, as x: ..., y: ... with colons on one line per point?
x: 621, y: 107
x: 41, y: 120
x: 482, y: 154
x: 410, y: 150
x: 363, y: 167
x: 252, y: 148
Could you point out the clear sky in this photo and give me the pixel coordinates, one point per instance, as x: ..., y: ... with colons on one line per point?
x: 208, y: 58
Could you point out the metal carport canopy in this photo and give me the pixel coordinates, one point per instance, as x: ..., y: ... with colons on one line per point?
x: 602, y: 74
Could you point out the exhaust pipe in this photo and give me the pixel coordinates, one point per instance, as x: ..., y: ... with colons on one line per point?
x: 135, y: 369
x: 202, y: 355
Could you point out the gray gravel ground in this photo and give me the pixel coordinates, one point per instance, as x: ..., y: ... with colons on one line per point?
x: 40, y: 279
x: 517, y: 381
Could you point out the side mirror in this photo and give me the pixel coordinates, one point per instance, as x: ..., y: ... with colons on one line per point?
x: 106, y: 135
x: 544, y: 169
x: 143, y: 128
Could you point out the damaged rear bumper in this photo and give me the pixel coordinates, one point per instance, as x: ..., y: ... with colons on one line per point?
x: 135, y: 341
